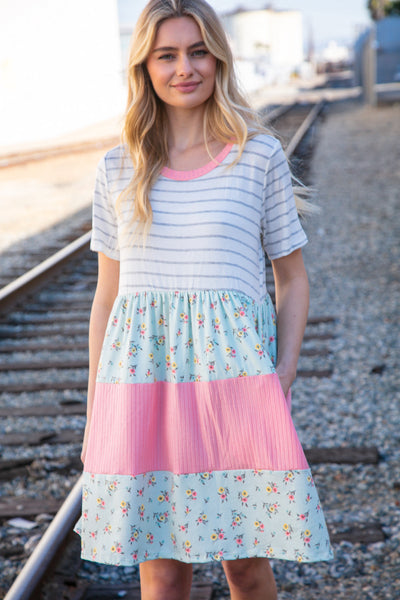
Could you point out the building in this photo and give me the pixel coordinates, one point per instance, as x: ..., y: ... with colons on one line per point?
x: 388, y: 49
x: 60, y: 68
x: 268, y: 42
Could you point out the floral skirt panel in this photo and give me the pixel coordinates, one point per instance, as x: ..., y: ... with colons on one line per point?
x: 192, y: 452
x: 220, y: 515
x: 187, y: 337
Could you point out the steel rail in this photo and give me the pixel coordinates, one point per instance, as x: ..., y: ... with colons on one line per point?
x: 37, y: 276
x: 302, y: 130
x: 279, y: 111
x: 39, y: 561
x: 39, y: 154
x: 35, y: 568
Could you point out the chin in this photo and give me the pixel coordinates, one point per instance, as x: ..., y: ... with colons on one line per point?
x: 189, y: 102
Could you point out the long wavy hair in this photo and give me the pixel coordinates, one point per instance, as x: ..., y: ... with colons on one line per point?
x: 228, y: 115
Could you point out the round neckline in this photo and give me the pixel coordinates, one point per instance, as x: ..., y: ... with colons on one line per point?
x: 194, y: 173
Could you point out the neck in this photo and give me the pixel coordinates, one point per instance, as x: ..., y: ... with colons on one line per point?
x: 185, y: 128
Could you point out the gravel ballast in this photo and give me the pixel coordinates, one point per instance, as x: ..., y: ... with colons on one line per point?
x: 353, y: 263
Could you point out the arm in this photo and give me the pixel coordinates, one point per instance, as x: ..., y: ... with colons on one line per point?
x: 292, y: 298
x: 106, y: 292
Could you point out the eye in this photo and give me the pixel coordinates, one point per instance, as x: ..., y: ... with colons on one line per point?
x: 166, y: 57
x: 199, y: 53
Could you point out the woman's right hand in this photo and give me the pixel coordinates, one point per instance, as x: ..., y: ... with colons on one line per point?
x: 106, y: 292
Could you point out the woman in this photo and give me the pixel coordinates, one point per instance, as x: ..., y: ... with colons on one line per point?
x: 189, y: 451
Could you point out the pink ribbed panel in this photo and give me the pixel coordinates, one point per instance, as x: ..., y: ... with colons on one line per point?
x: 238, y: 423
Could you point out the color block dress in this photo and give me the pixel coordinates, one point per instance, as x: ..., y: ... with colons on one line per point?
x: 192, y: 452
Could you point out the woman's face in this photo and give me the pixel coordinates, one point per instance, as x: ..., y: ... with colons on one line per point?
x: 181, y: 68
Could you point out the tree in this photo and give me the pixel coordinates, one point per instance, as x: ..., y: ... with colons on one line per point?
x: 394, y: 8
x: 383, y: 8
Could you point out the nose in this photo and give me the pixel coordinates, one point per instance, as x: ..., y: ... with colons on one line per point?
x: 184, y: 66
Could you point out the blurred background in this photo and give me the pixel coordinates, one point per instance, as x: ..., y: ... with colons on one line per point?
x: 62, y: 64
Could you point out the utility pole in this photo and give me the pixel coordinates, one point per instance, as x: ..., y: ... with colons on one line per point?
x: 377, y: 9
x: 380, y: 9
x: 369, y: 68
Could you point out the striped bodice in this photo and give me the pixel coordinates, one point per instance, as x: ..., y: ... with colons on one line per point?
x: 211, y: 227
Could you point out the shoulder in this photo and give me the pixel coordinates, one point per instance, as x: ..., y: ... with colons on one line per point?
x: 261, y: 148
x: 115, y: 157
x: 115, y: 162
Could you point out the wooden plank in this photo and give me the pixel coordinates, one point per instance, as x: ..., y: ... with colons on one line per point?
x: 317, y: 320
x: 27, y: 507
x: 315, y: 352
x: 199, y: 591
x: 36, y: 365
x: 38, y: 438
x: 11, y: 463
x: 320, y: 374
x: 34, y: 346
x: 14, y: 334
x: 44, y: 410
x: 318, y: 336
x: 60, y: 578
x: 47, y: 306
x: 11, y: 474
x: 12, y: 468
x: 68, y: 590
x: 10, y: 550
x: 113, y: 592
x: 48, y: 320
x: 18, y: 388
x: 343, y: 455
x: 361, y: 533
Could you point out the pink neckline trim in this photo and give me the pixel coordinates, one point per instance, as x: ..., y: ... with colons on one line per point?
x: 194, y: 173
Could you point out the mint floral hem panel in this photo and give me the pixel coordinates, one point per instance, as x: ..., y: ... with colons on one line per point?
x: 220, y: 515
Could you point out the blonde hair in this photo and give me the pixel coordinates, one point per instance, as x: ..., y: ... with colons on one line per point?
x: 227, y: 112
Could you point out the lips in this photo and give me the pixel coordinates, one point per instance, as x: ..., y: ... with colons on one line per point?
x: 187, y: 87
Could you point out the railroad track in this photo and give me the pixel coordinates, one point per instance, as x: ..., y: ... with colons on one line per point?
x: 44, y: 317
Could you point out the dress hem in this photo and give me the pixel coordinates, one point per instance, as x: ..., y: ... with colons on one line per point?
x: 327, y: 557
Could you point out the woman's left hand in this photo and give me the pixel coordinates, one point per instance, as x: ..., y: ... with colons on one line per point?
x: 285, y: 379
x: 291, y: 292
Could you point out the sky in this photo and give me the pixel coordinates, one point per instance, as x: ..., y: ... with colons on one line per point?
x: 328, y: 20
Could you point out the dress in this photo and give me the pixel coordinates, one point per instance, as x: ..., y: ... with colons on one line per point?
x: 192, y: 453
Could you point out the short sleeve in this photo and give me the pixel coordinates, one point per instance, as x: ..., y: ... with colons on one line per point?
x: 104, y: 219
x: 282, y: 232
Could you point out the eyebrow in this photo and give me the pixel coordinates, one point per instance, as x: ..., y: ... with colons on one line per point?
x: 169, y: 48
